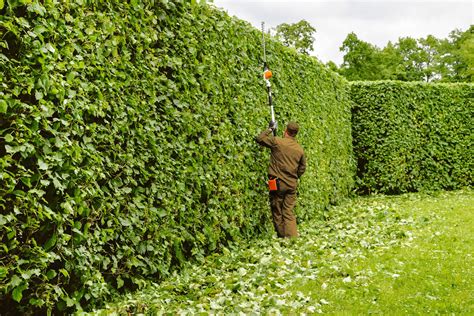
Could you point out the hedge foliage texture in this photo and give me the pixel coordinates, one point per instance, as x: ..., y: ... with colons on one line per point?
x: 413, y: 136
x: 127, y: 142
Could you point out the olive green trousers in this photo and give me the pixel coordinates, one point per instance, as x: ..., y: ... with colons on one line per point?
x: 282, y: 203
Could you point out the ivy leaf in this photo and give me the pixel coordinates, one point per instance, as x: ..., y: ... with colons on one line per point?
x: 37, y: 8
x: 64, y: 272
x: 3, y: 106
x: 14, y: 149
x: 51, y: 242
x: 39, y: 29
x: 69, y: 302
x: 120, y: 282
x: 51, y: 274
x: 17, y: 293
x: 3, y: 270
x: 8, y: 138
x: 50, y: 48
x: 42, y: 165
x: 38, y: 95
x: 124, y: 221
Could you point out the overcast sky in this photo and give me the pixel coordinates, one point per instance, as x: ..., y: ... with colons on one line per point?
x: 376, y: 22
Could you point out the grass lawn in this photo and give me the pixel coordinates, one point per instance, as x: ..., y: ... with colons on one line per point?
x: 432, y: 273
x: 409, y: 254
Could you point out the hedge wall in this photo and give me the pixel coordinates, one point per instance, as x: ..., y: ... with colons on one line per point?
x: 412, y: 136
x: 127, y: 143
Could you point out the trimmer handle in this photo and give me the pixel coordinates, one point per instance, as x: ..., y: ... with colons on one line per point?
x: 273, y: 125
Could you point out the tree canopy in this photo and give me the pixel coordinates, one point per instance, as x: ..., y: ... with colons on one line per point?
x: 424, y: 59
x: 297, y: 35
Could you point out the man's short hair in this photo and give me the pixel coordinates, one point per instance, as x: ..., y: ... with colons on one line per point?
x: 292, y: 128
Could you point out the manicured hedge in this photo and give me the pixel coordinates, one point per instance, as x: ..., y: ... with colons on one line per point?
x: 412, y: 137
x: 127, y: 143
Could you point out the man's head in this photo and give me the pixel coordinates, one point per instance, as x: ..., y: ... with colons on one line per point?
x: 292, y: 129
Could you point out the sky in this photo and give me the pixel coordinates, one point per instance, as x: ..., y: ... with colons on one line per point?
x: 373, y: 21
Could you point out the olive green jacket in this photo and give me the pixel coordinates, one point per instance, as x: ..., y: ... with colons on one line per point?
x: 287, y: 160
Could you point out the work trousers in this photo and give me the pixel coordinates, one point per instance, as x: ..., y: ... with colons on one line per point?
x: 282, y: 203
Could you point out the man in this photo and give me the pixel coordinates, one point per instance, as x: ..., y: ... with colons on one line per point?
x: 287, y: 165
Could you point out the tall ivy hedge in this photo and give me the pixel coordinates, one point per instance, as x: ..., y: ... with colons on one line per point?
x: 412, y: 136
x: 127, y: 143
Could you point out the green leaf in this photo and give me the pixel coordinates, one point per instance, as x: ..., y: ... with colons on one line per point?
x: 120, y: 282
x: 42, y: 165
x: 17, y: 293
x: 51, y: 242
x: 26, y: 181
x: 15, y: 149
x: 37, y: 8
x: 70, y: 302
x: 3, y: 106
x: 26, y: 275
x: 8, y: 138
x: 38, y: 95
x: 36, y: 301
x: 39, y: 29
x: 50, y: 48
x: 58, y: 185
x: 161, y: 212
x: 64, y: 272
x: 51, y: 274
x: 3, y: 272
x: 124, y: 221
x: 12, y: 233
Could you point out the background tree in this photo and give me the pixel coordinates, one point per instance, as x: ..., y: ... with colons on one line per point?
x: 466, y: 57
x: 297, y: 35
x: 361, y: 59
x: 457, y: 56
x: 431, y: 57
x: 391, y: 60
x: 409, y: 59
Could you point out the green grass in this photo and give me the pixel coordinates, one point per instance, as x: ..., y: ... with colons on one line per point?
x: 432, y: 274
x: 409, y: 254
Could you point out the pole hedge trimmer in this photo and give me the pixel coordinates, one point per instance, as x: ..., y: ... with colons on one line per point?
x: 267, y: 74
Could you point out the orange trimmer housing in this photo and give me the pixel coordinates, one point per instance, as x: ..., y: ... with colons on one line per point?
x: 267, y: 74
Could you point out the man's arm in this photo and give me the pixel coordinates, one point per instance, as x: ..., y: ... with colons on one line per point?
x: 266, y: 138
x: 301, y: 166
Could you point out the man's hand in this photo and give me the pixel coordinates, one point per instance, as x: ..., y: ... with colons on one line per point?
x: 273, y: 125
